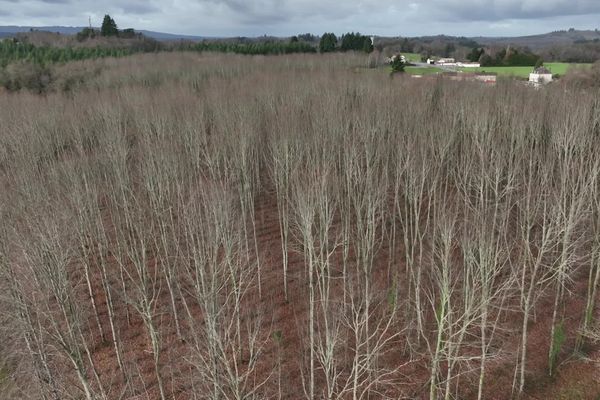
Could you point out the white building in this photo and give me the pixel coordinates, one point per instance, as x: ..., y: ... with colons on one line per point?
x: 446, y: 61
x: 468, y: 64
x: 540, y: 76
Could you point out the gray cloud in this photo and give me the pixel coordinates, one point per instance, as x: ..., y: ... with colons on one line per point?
x: 39, y: 1
x: 495, y: 10
x: 139, y: 7
x: 282, y: 17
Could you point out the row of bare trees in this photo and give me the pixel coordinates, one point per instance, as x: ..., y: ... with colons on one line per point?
x: 239, y: 231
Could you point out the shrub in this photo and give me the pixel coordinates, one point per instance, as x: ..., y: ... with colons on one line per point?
x: 397, y: 64
x: 26, y: 75
x: 86, y: 33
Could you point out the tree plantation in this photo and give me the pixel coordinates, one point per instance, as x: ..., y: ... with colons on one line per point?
x: 219, y: 226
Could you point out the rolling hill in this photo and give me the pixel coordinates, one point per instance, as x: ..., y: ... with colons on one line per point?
x: 535, y: 42
x: 11, y: 30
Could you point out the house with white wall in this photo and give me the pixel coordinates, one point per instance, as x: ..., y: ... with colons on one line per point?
x: 446, y: 61
x: 540, y: 76
x: 468, y: 64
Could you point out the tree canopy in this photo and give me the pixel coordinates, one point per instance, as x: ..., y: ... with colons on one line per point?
x: 109, y: 27
x: 328, y: 43
x: 356, y: 41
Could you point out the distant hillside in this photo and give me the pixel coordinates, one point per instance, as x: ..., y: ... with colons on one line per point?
x: 572, y: 46
x: 12, y: 30
x: 170, y: 36
x: 536, y: 42
x: 9, y: 31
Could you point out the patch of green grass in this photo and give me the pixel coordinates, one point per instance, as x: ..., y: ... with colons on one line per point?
x: 570, y: 394
x: 562, y: 68
x: 422, y: 70
x: 518, y: 72
x: 523, y: 72
x: 3, y: 376
x: 557, y: 341
x: 412, y: 57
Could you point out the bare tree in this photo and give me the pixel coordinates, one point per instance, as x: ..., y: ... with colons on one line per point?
x: 219, y: 280
x: 59, y: 315
x: 594, y: 269
x: 283, y: 155
x: 134, y: 247
x: 537, y: 239
x: 570, y: 209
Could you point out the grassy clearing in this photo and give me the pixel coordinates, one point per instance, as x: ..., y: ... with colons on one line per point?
x: 523, y: 72
x: 518, y: 72
x: 412, y: 57
x: 4, y: 374
x: 562, y: 68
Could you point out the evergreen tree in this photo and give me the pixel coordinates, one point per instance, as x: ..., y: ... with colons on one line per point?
x: 109, y: 27
x: 475, y: 54
x: 539, y: 63
x: 397, y: 64
x: 356, y: 41
x: 367, y: 44
x: 327, y: 43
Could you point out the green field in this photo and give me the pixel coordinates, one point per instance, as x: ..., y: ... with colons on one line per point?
x: 561, y: 68
x: 412, y: 57
x: 523, y: 72
x: 423, y: 70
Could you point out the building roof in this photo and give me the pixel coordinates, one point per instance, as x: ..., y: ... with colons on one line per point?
x: 541, y: 71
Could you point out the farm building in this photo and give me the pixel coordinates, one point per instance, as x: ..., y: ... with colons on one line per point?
x: 540, y: 76
x: 468, y: 64
x: 446, y: 61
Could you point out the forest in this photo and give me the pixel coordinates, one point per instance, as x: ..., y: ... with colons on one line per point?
x: 217, y: 226
x: 45, y: 48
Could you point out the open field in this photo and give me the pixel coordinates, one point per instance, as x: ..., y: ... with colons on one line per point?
x: 423, y: 70
x: 523, y: 72
x: 412, y: 57
x: 184, y: 226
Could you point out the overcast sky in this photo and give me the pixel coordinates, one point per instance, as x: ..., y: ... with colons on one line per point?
x: 288, y: 17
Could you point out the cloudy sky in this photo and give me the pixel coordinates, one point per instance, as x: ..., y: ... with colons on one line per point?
x: 287, y: 17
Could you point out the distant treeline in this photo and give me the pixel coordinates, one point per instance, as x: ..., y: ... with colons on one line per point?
x: 348, y: 42
x: 504, y: 57
x: 12, y: 51
x: 255, y: 48
x: 461, y: 48
x: 427, y: 47
x: 579, y: 52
